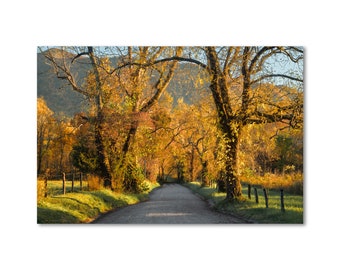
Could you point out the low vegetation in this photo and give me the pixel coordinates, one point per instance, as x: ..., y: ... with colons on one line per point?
x: 81, y: 206
x: 291, y: 183
x: 251, y: 211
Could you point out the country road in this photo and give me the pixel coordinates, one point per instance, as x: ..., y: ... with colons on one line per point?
x: 169, y: 204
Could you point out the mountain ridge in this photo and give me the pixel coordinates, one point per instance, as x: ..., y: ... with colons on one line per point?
x: 62, y: 99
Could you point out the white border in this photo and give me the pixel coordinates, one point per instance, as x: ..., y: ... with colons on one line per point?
x: 27, y: 24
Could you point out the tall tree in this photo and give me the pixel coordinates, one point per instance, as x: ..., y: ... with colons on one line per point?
x: 62, y: 61
x: 143, y: 92
x: 244, y: 82
x: 248, y: 67
x: 141, y: 85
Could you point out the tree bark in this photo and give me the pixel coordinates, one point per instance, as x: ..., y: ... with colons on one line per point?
x: 160, y: 87
x: 192, y: 160
x: 228, y: 125
x: 104, y: 169
x: 233, y: 185
x: 103, y: 162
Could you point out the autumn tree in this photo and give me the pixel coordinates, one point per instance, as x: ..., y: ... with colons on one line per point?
x: 55, y: 136
x: 62, y: 61
x: 44, y: 132
x: 194, y: 139
x: 244, y: 83
x: 249, y: 85
x: 269, y: 148
x: 145, y: 83
x: 151, y: 146
x: 139, y: 89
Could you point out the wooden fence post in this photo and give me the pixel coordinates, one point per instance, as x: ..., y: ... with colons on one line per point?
x: 81, y: 181
x: 46, y: 176
x: 64, y: 183
x: 72, y: 187
x: 265, y: 197
x: 45, y: 187
x: 249, y: 191
x: 282, y: 201
x: 256, y: 195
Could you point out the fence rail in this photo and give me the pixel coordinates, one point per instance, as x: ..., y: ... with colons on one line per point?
x: 59, y: 176
x: 265, y: 194
x: 82, y: 177
x: 72, y: 177
x: 256, y: 188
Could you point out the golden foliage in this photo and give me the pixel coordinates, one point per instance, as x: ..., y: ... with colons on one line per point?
x: 94, y: 182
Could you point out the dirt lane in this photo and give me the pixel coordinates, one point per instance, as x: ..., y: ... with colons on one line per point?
x: 170, y: 204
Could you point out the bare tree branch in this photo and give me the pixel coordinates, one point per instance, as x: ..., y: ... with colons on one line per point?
x: 169, y: 59
x: 275, y: 75
x: 162, y: 84
x: 78, y: 55
x: 64, y: 73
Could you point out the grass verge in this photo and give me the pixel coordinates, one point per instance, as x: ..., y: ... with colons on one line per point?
x: 249, y: 210
x: 83, y: 206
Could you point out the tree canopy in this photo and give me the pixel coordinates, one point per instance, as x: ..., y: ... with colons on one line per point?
x: 243, y: 111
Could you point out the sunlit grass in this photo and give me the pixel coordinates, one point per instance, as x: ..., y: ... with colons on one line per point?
x: 250, y: 210
x: 82, y: 206
x: 54, y: 187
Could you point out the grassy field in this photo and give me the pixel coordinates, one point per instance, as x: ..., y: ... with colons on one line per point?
x: 250, y: 210
x: 83, y: 206
x: 80, y: 206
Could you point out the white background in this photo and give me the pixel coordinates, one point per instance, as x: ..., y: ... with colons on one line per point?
x: 28, y: 24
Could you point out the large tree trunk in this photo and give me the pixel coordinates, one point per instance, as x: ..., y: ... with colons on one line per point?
x: 229, y: 127
x: 129, y: 139
x: 233, y: 185
x: 192, y: 160
x: 103, y: 160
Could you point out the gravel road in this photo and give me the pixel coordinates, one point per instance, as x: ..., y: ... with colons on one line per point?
x: 169, y: 204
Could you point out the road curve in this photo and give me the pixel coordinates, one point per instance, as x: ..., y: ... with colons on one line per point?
x: 169, y: 204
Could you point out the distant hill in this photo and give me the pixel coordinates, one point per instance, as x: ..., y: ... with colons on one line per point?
x: 61, y: 99
x: 59, y: 96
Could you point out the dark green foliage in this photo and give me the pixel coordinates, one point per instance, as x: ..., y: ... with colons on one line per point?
x: 134, y: 179
x: 84, y: 158
x: 290, y: 152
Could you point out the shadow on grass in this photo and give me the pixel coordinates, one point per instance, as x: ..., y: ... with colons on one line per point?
x: 261, y: 214
x: 110, y: 200
x: 52, y: 216
x: 249, y: 210
x: 86, y: 208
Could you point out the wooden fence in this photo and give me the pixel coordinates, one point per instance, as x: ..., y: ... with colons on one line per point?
x: 73, y: 177
x: 265, y: 195
x: 82, y: 177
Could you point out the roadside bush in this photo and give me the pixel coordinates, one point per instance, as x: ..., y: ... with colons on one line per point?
x: 296, y: 188
x: 94, y: 182
x: 292, y: 182
x: 41, y: 188
x: 134, y: 179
